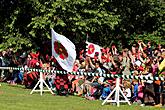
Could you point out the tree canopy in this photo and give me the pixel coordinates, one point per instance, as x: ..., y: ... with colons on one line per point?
x: 27, y: 23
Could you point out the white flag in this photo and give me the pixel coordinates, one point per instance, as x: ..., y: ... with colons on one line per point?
x: 93, y: 49
x: 63, y: 50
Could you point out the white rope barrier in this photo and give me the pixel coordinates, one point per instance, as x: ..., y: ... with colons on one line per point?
x: 142, y: 77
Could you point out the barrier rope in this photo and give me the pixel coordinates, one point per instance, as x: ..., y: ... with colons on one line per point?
x: 142, y: 77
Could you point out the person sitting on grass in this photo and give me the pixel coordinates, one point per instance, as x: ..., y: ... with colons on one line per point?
x: 107, y: 88
x: 127, y: 89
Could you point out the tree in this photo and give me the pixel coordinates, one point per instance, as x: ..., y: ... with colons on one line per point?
x: 15, y: 17
x: 74, y: 19
x: 140, y: 18
x: 27, y: 23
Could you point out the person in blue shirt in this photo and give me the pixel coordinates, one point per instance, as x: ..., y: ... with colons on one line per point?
x: 106, y: 91
x: 135, y: 90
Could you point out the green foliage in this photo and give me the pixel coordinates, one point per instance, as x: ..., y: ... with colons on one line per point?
x: 27, y: 23
x: 12, y: 38
x: 140, y: 18
x: 73, y: 18
x: 155, y: 39
x: 13, y: 32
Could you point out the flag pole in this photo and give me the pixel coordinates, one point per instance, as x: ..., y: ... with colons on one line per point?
x: 87, y: 37
x: 86, y: 47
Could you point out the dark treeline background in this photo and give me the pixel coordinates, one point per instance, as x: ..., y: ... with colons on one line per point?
x: 27, y: 23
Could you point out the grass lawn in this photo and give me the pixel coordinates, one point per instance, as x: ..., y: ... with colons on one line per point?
x: 19, y: 98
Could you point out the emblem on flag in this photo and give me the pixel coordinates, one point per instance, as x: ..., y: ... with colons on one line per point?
x: 60, y: 50
x: 91, y: 49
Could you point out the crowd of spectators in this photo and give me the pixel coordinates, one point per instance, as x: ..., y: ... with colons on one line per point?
x: 139, y: 59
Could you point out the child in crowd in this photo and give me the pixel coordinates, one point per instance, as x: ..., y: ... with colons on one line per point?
x: 140, y: 91
x: 127, y: 89
x: 135, y: 90
x: 106, y: 90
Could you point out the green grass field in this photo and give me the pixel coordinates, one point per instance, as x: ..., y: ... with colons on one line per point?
x: 19, y: 98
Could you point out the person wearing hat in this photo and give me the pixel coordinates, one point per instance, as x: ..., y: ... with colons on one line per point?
x: 106, y: 90
x: 30, y: 78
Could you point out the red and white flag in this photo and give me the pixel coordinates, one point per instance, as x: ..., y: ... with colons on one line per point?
x: 63, y: 50
x: 93, y: 49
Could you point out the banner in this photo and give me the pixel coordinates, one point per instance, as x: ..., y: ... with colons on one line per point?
x: 93, y: 49
x: 63, y: 50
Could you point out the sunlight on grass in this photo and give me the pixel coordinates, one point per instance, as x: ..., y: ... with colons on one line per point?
x: 19, y: 98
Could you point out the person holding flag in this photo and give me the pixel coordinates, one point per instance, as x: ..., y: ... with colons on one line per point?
x: 64, y: 52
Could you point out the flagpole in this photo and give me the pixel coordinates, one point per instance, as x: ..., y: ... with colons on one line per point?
x: 87, y: 37
x: 86, y: 47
